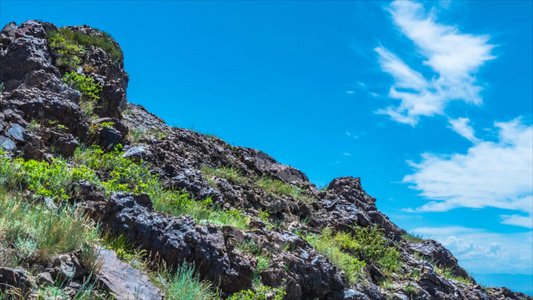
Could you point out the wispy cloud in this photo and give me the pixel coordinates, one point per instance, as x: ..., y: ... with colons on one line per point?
x: 518, y: 220
x: 480, y: 251
x: 463, y: 128
x: 351, y: 135
x: 491, y: 174
x: 454, y: 57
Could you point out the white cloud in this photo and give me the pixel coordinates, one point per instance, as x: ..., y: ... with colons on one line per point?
x: 347, y: 154
x: 518, y: 220
x: 350, y: 135
x: 462, y: 127
x: 480, y: 251
x: 350, y: 92
x: 453, y: 56
x: 491, y: 174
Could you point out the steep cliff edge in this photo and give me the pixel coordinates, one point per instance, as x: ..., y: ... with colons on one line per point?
x: 244, y: 222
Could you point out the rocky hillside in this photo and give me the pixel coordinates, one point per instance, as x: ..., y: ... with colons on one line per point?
x: 100, y: 199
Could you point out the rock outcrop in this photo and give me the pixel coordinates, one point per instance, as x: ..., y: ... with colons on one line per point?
x: 42, y: 117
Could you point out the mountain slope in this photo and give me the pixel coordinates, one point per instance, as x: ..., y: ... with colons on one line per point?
x: 170, y: 201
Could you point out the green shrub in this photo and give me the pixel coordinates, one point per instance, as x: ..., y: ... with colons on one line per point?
x: 368, y: 244
x: 122, y: 174
x: 67, y: 50
x: 262, y: 292
x: 279, y: 187
x: 447, y: 273
x: 52, y: 180
x: 413, y: 238
x: 326, y: 245
x: 228, y: 173
x: 184, y: 284
x: 70, y: 44
x: 88, y: 87
x: 270, y: 185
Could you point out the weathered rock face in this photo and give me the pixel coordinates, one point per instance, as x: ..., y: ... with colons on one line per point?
x: 123, y: 281
x: 35, y: 92
x: 178, y: 240
x: 41, y: 118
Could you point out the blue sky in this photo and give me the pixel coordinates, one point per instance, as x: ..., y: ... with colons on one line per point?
x: 430, y: 103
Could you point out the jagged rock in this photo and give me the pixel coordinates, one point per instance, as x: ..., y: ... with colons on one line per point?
x: 67, y: 267
x: 138, y: 153
x: 178, y: 240
x: 44, y: 278
x: 7, y: 35
x: 15, y: 132
x: 7, y: 144
x: 123, y: 281
x: 434, y: 251
x: 15, y: 281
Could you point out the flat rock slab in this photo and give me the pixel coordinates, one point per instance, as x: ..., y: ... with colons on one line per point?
x: 123, y: 281
x: 6, y: 144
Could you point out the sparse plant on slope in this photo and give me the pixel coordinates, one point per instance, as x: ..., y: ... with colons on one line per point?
x: 185, y: 284
x: 88, y: 87
x: 326, y: 245
x: 270, y: 185
x: 370, y: 245
x: 262, y: 292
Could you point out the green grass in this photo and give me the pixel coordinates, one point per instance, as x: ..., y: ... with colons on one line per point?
x: 447, y: 273
x: 184, y: 284
x: 415, y: 238
x: 73, y: 44
x: 38, y: 233
x: 228, y: 173
x: 442, y: 271
x: 269, y: 185
x: 137, y: 135
x: 279, y: 187
x: 411, y: 290
x: 352, y: 251
x: 370, y: 245
x: 326, y: 245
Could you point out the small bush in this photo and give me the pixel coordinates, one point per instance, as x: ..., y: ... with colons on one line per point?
x: 370, y: 245
x: 262, y: 292
x: 228, y: 173
x: 413, y: 238
x: 89, y: 89
x: 67, y: 50
x: 52, y: 180
x: 184, y: 284
x: 279, y: 187
x: 70, y: 44
x: 326, y: 245
x: 270, y: 185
